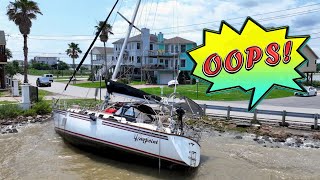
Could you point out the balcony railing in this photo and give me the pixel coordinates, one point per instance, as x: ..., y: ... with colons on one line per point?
x: 161, y: 53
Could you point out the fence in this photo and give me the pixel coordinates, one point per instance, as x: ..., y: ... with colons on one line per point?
x: 310, y: 119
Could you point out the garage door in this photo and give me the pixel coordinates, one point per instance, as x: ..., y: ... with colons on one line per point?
x: 165, y: 78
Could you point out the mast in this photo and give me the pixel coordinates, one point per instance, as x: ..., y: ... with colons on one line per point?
x: 117, y: 68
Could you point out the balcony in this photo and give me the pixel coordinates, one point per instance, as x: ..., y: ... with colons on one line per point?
x: 3, y: 59
x: 157, y: 67
x: 162, y: 54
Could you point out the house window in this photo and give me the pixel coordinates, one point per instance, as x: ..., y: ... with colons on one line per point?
x: 166, y: 63
x: 183, y: 63
x: 161, y: 60
x: 176, y: 49
x: 112, y: 58
x: 151, y: 46
x: 138, y: 45
x: 166, y: 48
x: 183, y: 48
x: 150, y: 61
x: 138, y: 59
x: 172, y: 47
x: 132, y: 60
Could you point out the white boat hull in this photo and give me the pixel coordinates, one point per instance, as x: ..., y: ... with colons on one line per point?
x: 170, y: 147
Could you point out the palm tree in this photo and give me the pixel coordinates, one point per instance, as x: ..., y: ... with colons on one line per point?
x: 73, y: 51
x: 8, y: 53
x: 21, y: 12
x: 104, y: 36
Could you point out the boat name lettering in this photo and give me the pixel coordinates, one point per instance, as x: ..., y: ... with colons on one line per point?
x: 145, y: 140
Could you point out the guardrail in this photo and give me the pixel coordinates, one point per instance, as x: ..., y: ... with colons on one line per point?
x: 283, y: 121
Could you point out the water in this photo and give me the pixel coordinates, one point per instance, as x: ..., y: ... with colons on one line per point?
x: 37, y: 152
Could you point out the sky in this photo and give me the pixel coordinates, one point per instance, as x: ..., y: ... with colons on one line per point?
x: 66, y: 21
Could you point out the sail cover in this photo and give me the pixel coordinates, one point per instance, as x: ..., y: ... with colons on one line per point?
x: 115, y: 87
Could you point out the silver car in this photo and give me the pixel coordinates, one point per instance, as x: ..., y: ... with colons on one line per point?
x: 43, y: 81
x: 311, y: 91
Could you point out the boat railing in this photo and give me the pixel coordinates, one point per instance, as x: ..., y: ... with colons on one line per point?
x: 63, y: 104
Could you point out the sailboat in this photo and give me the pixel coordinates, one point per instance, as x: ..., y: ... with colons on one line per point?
x: 149, y: 125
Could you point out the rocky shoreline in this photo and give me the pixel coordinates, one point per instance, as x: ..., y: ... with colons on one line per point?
x: 264, y: 135
x: 12, y: 125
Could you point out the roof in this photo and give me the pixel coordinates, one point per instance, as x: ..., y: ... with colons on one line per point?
x: 2, y: 38
x: 137, y: 38
x: 308, y: 47
x: 101, y: 50
x: 178, y: 40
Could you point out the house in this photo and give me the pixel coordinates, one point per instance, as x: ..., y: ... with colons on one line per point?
x: 153, y: 58
x: 98, y: 55
x: 136, y: 53
x: 98, y: 60
x: 3, y: 59
x: 46, y: 60
x: 310, y: 66
x: 177, y: 47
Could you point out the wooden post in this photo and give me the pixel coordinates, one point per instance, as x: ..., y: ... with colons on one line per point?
x: 284, y: 117
x: 316, y: 122
x: 228, y: 112
x: 255, y: 115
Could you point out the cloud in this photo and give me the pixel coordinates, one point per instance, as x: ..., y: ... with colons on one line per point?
x: 307, y: 20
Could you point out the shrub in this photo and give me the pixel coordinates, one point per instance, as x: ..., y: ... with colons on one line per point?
x: 30, y: 112
x: 10, y: 111
x: 42, y: 107
x: 314, y: 83
x: 91, y: 77
x: 123, y: 80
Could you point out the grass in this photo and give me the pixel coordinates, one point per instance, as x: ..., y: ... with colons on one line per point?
x: 43, y: 93
x: 1, y: 94
x: 137, y: 82
x: 95, y: 84
x: 230, y: 95
x: 8, y: 102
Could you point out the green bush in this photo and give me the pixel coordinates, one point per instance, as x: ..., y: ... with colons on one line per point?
x: 30, y: 112
x: 10, y: 111
x: 314, y: 83
x: 124, y: 81
x: 91, y: 77
x: 42, y: 107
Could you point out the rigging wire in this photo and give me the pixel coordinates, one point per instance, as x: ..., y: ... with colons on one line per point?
x: 155, y: 14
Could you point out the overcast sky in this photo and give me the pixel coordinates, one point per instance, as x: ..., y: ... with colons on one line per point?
x: 66, y: 21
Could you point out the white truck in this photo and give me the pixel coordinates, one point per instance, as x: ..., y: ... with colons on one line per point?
x: 50, y: 76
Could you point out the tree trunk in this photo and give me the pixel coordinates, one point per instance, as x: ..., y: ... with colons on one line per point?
x: 74, y: 69
x: 25, y: 52
x: 106, y: 61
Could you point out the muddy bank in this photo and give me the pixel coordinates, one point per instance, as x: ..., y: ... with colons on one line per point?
x: 12, y: 125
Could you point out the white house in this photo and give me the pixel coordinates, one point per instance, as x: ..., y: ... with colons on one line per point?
x: 98, y: 55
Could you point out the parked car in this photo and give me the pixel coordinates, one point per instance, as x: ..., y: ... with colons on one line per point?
x: 311, y: 91
x: 43, y: 81
x: 50, y: 76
